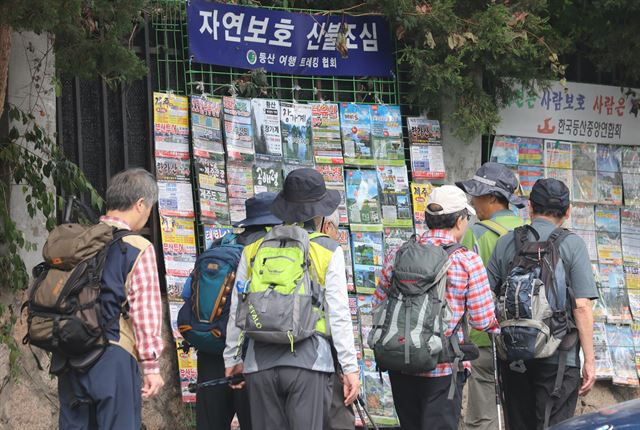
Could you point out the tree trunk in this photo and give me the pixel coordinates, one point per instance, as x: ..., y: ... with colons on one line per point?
x: 5, y: 55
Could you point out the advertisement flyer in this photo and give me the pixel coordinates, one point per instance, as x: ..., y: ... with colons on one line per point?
x: 620, y: 340
x: 386, y: 135
x: 178, y: 235
x: 206, y: 128
x: 583, y: 224
x: 395, y: 237
x: 295, y: 123
x: 173, y: 168
x: 528, y: 176
x: 188, y: 370
x: 427, y: 162
x: 175, y: 199
x: 419, y: 195
x: 174, y: 291
x: 557, y: 154
x: 631, y: 175
x: 505, y: 150
x: 609, y: 176
x: 423, y: 131
x: 266, y: 128
x: 240, y: 188
x: 530, y: 151
x: 267, y: 176
x: 395, y: 203
x: 327, y: 139
x: 345, y: 244
x: 334, y: 180
x: 604, y: 366
x: 630, y: 229
x: 170, y: 125
x: 238, y: 132
x: 368, y: 257
x: 355, y: 127
x: 584, y: 168
x: 363, y: 199
x: 616, y: 300
x: 608, y: 234
x: 378, y: 395
x: 213, y: 233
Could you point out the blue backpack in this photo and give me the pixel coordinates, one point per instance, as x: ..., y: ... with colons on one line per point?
x: 202, y: 320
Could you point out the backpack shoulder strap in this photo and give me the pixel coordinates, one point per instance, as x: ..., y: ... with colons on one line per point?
x: 452, y: 247
x: 521, y: 236
x: 558, y: 235
x: 494, y: 227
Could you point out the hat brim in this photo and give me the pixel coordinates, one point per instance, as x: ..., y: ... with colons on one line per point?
x: 291, y: 212
x: 259, y: 220
x: 476, y: 189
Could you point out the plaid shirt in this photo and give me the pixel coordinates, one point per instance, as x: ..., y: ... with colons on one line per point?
x: 145, y: 304
x: 467, y: 288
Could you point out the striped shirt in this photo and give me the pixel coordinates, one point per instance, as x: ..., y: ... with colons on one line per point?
x: 467, y: 289
x: 145, y: 304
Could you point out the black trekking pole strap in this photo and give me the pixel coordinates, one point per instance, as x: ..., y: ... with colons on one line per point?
x: 236, y: 379
x: 555, y: 394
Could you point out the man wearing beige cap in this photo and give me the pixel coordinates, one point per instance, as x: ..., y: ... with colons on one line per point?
x: 433, y: 399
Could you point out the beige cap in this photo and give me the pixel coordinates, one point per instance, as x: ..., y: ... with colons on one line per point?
x: 451, y: 198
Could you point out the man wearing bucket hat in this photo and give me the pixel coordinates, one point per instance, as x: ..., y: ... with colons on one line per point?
x: 289, y: 385
x: 216, y: 406
x: 433, y: 399
x: 491, y: 189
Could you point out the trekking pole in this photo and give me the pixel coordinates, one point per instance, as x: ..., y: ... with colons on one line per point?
x: 360, y: 407
x: 497, y: 382
x: 193, y: 387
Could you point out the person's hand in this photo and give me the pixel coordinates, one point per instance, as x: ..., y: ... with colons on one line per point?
x: 351, y: 387
x: 238, y: 369
x: 152, y: 384
x: 588, y: 377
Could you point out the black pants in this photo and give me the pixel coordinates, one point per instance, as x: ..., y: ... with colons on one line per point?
x: 422, y: 404
x: 216, y: 406
x: 526, y: 394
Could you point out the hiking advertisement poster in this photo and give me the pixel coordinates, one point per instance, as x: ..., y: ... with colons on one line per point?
x: 267, y: 176
x: 355, y: 126
x: 605, y: 190
x: 395, y: 201
x: 363, y: 200
x: 206, y: 128
x: 386, y: 135
x: 327, y: 141
x: 170, y: 125
x: 238, y: 132
x: 368, y: 257
x: 334, y: 180
x: 295, y: 123
x: 266, y: 128
x: 240, y: 188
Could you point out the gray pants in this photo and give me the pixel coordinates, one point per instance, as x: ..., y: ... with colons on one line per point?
x: 481, y: 412
x: 288, y: 398
x: 340, y: 416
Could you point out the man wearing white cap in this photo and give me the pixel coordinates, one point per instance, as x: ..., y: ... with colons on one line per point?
x: 421, y: 400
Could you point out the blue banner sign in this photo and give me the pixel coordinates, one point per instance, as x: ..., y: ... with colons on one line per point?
x: 286, y: 42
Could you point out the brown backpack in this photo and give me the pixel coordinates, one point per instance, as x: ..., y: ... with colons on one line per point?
x: 63, y: 309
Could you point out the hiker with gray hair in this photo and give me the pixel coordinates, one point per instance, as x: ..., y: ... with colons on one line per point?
x: 108, y: 394
x: 291, y: 303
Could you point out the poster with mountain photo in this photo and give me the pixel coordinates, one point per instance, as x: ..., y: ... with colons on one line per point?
x: 355, y: 127
x: 395, y: 201
x: 609, y: 175
x: 584, y: 168
x: 363, y: 200
x: 295, y: 126
x: 631, y: 175
x: 386, y: 135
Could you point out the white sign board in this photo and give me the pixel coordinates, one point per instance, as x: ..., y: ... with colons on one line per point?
x: 579, y: 112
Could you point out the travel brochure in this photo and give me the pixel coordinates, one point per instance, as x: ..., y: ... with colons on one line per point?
x: 267, y: 140
x: 355, y: 127
x: 327, y: 139
x: 334, y: 180
x: 363, y: 199
x: 295, y: 123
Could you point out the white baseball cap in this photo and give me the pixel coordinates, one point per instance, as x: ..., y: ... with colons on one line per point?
x: 451, y: 198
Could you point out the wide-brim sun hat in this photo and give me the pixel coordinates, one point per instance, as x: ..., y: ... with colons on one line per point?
x: 492, y: 179
x: 304, y: 197
x: 258, y: 211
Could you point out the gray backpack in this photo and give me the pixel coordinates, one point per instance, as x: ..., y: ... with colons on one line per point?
x: 282, y: 302
x: 408, y: 328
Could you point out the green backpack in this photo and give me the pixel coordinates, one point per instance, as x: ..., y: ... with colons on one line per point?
x: 282, y: 300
